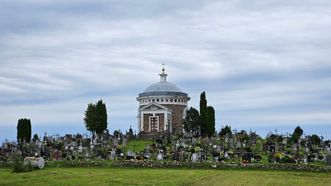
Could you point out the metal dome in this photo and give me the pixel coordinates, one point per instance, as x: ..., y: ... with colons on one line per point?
x: 163, y: 87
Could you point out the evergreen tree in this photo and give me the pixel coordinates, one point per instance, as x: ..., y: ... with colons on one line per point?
x: 243, y: 136
x: 101, y: 117
x: 210, y: 121
x: 35, y: 138
x: 203, y: 114
x: 297, y: 134
x: 96, y: 117
x: 225, y: 131
x: 207, y: 115
x: 90, y: 119
x: 28, y: 131
x: 315, y: 140
x: 20, y: 130
x: 192, y: 122
x: 24, y: 130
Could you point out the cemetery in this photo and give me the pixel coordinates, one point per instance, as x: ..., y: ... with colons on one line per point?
x: 238, y: 150
x: 171, y: 139
x: 116, y: 156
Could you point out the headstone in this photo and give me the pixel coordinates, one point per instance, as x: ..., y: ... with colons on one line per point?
x: 35, y: 162
x: 80, y: 149
x: 159, y: 156
x: 328, y: 159
x: 226, y: 155
x: 305, y: 161
x: 147, y: 155
x: 194, y: 157
x: 112, y: 154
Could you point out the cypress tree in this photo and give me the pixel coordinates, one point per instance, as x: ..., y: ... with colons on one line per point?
x: 27, y: 130
x: 24, y: 130
x: 101, y: 117
x: 90, y: 118
x: 19, y: 131
x: 210, y: 121
x: 203, y: 113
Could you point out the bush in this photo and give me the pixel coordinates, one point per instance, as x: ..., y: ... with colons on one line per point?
x: 287, y: 159
x: 20, y: 166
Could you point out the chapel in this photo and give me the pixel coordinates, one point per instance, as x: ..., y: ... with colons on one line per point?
x: 162, y: 108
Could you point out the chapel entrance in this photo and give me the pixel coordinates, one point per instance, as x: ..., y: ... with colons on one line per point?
x: 154, y: 123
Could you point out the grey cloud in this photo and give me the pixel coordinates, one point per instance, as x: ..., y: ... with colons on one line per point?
x: 251, y: 57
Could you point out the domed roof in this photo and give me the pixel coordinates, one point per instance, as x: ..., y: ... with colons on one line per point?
x: 163, y: 86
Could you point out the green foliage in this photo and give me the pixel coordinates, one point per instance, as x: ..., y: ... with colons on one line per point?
x: 20, y: 166
x: 24, y: 130
x: 90, y: 118
x: 315, y: 140
x: 225, y: 131
x: 287, y: 159
x: 96, y: 117
x: 203, y: 114
x: 243, y: 136
x: 192, y: 122
x: 210, y: 121
x: 35, y: 137
x: 272, y: 139
x: 207, y: 114
x: 297, y: 134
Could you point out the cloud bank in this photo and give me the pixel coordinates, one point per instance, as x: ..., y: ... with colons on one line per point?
x: 262, y: 64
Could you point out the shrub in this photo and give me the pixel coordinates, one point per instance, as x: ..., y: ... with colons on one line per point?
x: 287, y: 159
x: 20, y: 166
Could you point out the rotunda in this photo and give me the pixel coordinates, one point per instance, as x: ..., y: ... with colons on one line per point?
x: 162, y: 107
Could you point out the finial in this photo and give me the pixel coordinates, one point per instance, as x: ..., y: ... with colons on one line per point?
x: 163, y: 67
x: 163, y: 75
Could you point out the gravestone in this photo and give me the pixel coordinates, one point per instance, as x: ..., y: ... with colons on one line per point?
x: 159, y: 156
x: 112, y: 154
x: 194, y: 157
x: 226, y: 155
x: 37, y: 162
x: 328, y: 159
x: 147, y: 155
x: 80, y: 149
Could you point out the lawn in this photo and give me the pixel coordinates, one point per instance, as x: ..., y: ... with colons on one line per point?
x: 141, y: 176
x: 138, y: 145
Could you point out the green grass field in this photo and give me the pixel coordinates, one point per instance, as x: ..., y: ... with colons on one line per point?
x: 141, y: 176
x: 138, y: 145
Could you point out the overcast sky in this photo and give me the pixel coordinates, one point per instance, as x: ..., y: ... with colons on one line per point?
x: 264, y: 65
